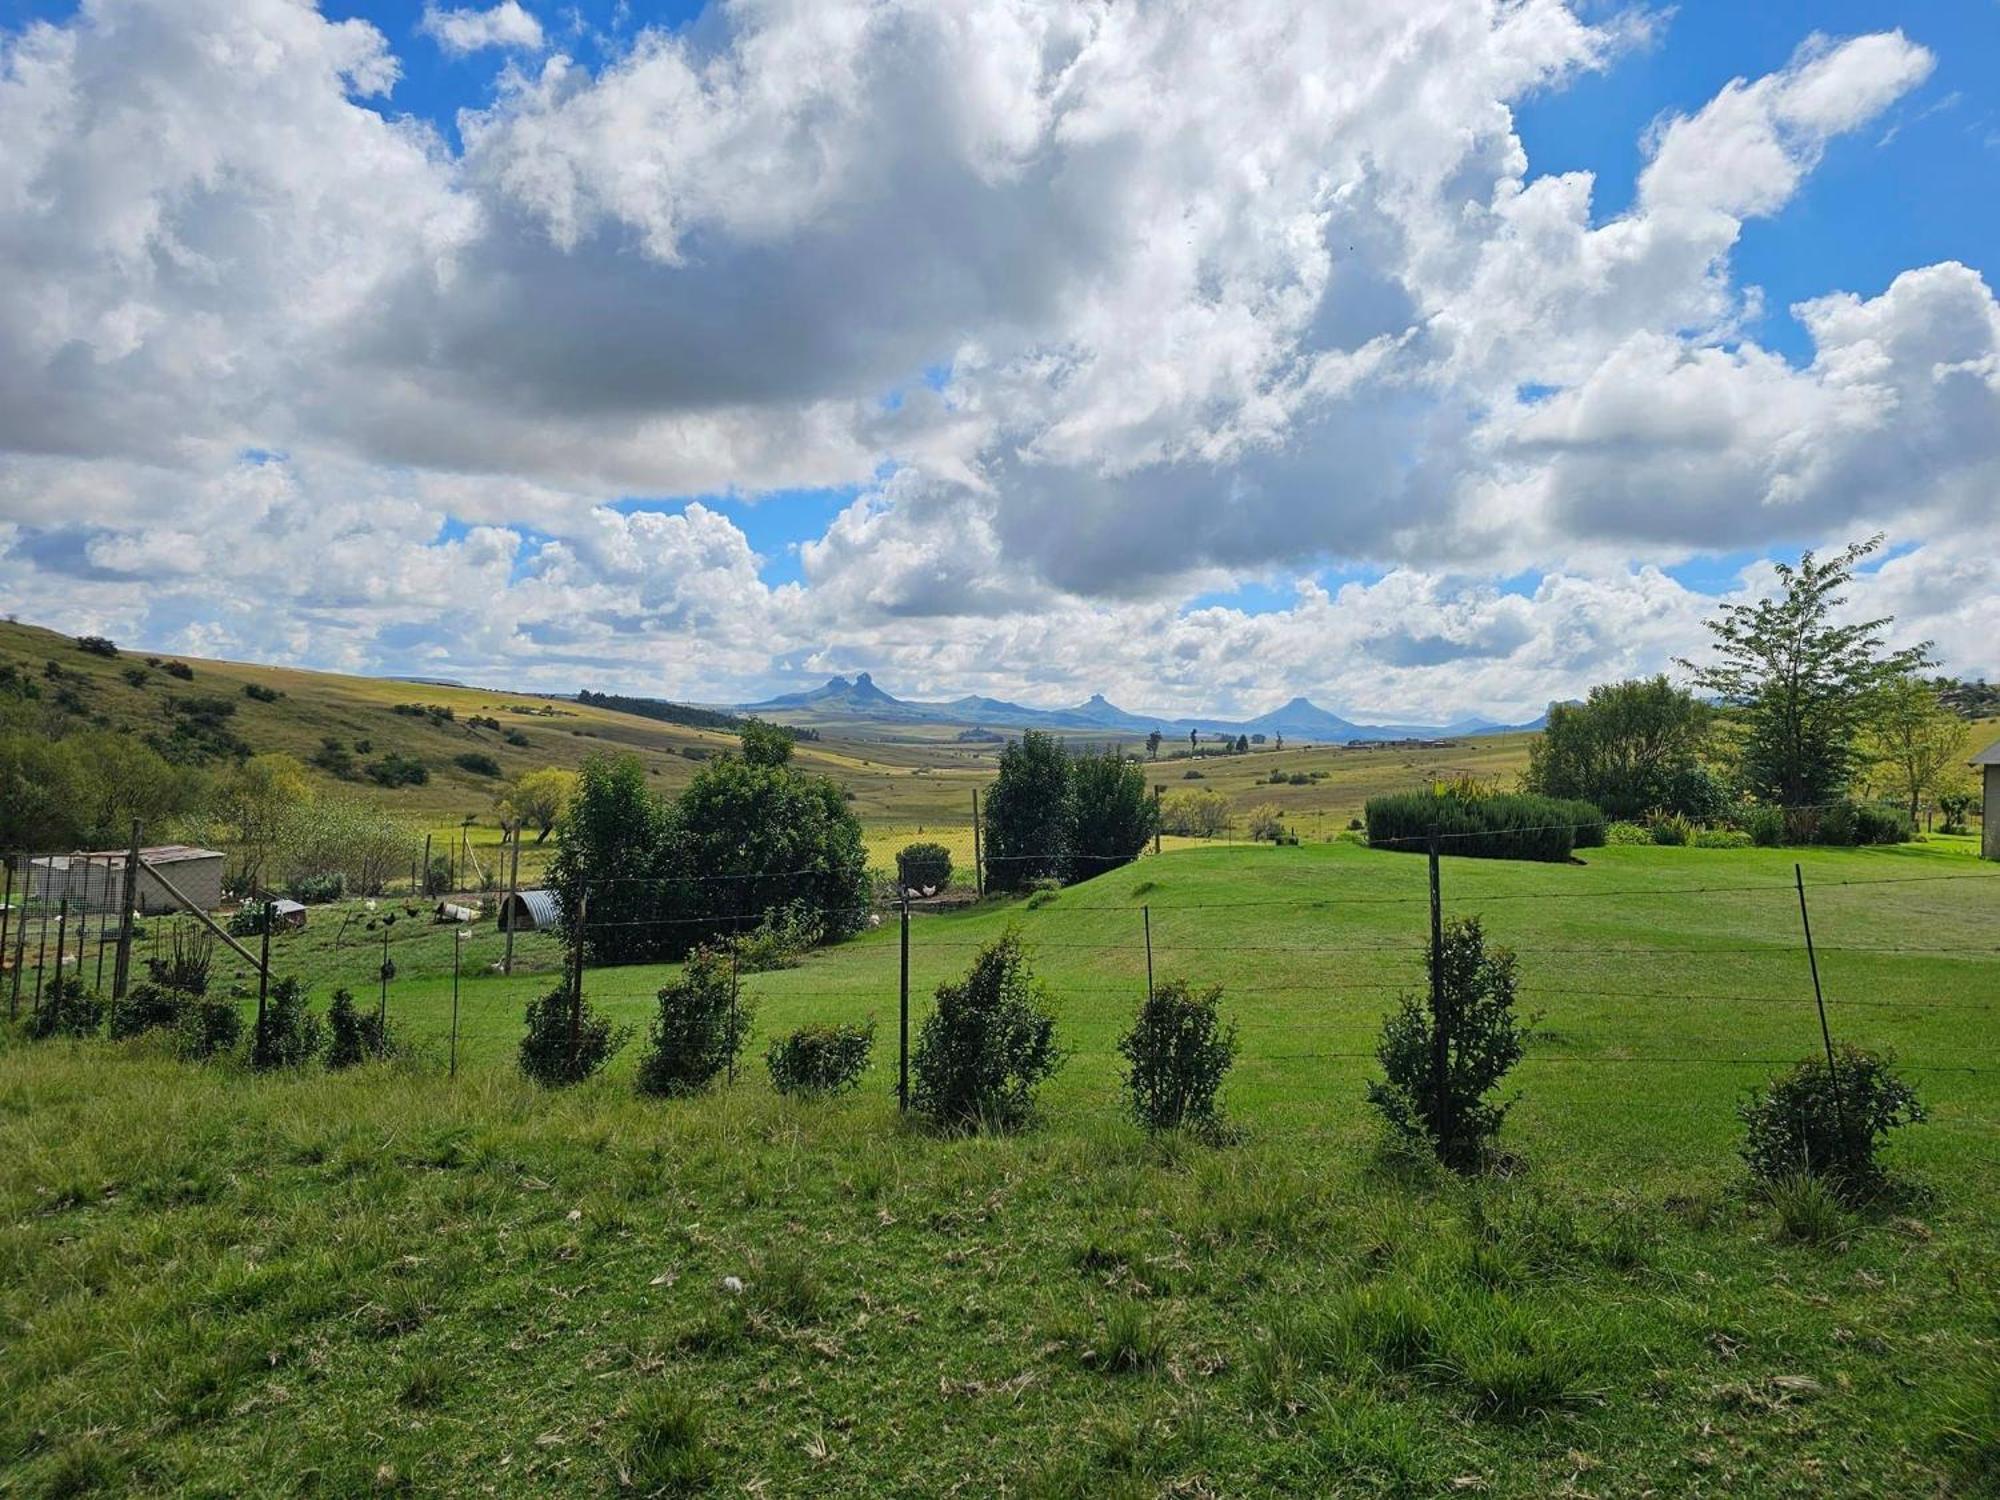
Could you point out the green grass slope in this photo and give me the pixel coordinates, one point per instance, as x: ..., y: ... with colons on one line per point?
x: 396, y: 1282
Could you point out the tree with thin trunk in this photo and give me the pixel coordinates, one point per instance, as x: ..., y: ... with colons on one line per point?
x: 1916, y: 742
x: 1803, y: 684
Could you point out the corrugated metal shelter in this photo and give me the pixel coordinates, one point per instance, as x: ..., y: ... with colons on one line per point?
x: 1988, y: 762
x: 288, y: 916
x: 529, y: 911
x: 95, y: 879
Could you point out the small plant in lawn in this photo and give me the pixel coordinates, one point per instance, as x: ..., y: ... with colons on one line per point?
x: 288, y: 1034
x: 207, y: 1028
x: 68, y: 1008
x: 820, y: 1060
x: 664, y: 1447
x: 145, y: 1007
x: 354, y: 1036
x: 987, y: 1045
x: 565, y: 1044
x: 1446, y: 1109
x: 924, y: 867
x: 784, y: 1285
x: 1130, y: 1340
x: 699, y: 1029
x: 1809, y: 1210
x: 1177, y: 1053
x: 1829, y: 1124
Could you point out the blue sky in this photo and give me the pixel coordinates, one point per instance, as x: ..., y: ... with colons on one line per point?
x: 1916, y: 188
x: 1112, y: 388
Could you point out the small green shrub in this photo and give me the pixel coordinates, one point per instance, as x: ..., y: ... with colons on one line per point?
x: 288, y: 1034
x: 1765, y: 825
x: 1447, y: 1111
x: 1625, y: 835
x: 478, y: 762
x: 1722, y: 838
x: 318, y: 890
x: 563, y: 1045
x: 179, y: 670
x: 207, y: 1028
x: 1671, y: 830
x: 820, y: 1060
x: 256, y: 692
x: 698, y: 1030
x: 1828, y: 1125
x: 924, y: 867
x: 1177, y: 1054
x: 145, y: 1007
x: 247, y: 920
x: 781, y: 940
x: 988, y: 1044
x: 1266, y: 823
x: 67, y: 1008
x: 394, y: 770
x: 354, y: 1036
x: 96, y: 645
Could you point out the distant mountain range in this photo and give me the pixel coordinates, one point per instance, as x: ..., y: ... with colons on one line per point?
x: 1300, y: 719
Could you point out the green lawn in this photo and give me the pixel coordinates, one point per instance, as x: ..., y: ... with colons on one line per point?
x: 221, y: 1284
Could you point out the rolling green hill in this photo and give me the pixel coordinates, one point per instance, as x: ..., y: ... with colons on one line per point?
x: 904, y: 781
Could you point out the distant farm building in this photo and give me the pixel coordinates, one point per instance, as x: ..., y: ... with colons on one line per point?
x: 1988, y: 760
x: 529, y: 911
x: 95, y: 881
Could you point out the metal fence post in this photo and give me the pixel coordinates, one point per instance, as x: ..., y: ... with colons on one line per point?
x: 1819, y: 1000
x: 128, y: 903
x: 978, y: 859
x: 1440, y: 1030
x: 513, y: 895
x: 903, y: 1013
x: 1147, y: 913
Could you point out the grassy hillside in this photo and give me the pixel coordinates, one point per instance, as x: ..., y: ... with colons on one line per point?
x: 396, y: 1282
x: 906, y: 782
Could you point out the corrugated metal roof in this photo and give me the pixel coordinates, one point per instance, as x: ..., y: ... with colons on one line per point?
x: 541, y: 908
x: 159, y: 854
x: 1990, y: 756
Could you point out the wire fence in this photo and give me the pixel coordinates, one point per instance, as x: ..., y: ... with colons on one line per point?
x: 1625, y: 981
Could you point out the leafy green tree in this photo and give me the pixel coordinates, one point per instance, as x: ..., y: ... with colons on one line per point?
x: 360, y: 840
x: 1630, y: 747
x: 766, y: 744
x: 85, y: 790
x: 1915, y: 741
x: 758, y: 836
x: 614, y: 841
x: 1803, y: 684
x: 1153, y: 745
x: 1029, y: 819
x: 257, y: 799
x: 538, y: 798
x: 1112, y: 816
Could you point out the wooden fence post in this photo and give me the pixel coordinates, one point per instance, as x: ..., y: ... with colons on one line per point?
x: 128, y: 902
